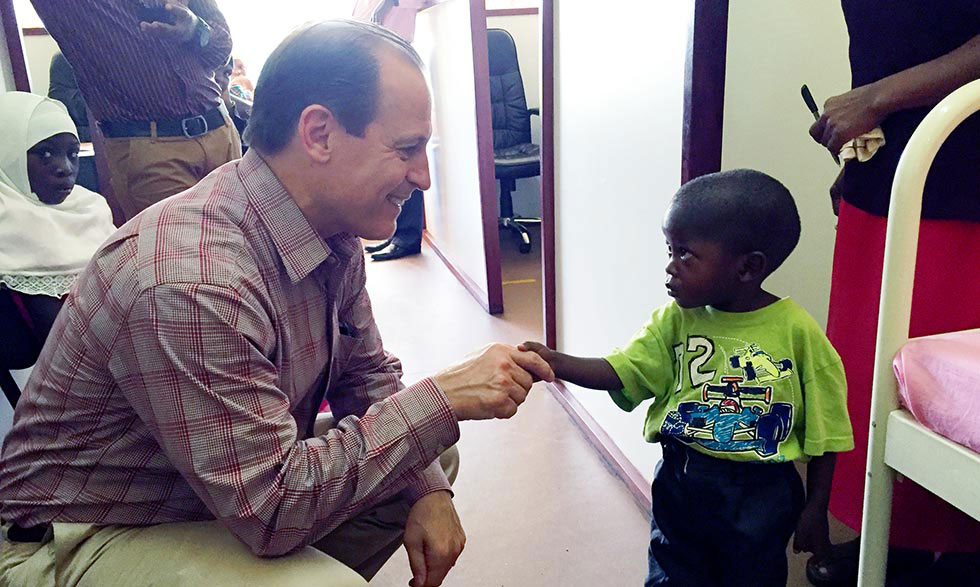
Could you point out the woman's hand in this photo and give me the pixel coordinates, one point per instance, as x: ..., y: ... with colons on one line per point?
x: 848, y: 116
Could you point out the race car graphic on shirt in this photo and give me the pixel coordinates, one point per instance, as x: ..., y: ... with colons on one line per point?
x: 732, y: 418
x: 759, y: 366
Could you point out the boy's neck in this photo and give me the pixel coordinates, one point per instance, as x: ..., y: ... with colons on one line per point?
x: 747, y: 301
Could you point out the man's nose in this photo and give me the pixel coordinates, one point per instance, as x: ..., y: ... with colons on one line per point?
x: 418, y: 175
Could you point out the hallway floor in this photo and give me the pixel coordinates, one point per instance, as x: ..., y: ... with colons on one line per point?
x: 539, y: 506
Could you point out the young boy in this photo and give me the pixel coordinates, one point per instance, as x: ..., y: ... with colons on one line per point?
x: 743, y: 384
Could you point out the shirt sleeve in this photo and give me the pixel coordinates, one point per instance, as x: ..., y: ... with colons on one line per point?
x: 205, y: 388
x: 370, y: 375
x: 644, y: 366
x: 827, y: 427
x: 218, y: 49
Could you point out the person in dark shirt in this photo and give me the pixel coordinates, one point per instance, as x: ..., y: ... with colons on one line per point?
x: 906, y: 55
x: 63, y: 87
x: 146, y: 71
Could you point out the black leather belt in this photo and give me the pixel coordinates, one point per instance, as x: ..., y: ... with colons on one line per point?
x: 190, y: 127
x: 33, y: 534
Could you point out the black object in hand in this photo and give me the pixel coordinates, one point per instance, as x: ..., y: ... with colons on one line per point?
x: 811, y: 105
x: 154, y: 14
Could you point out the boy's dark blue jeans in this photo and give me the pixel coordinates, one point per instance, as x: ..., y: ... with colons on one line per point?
x: 721, y: 523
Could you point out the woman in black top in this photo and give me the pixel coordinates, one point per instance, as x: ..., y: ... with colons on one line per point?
x: 906, y: 55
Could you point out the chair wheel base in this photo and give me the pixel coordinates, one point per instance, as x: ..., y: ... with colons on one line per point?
x: 524, y: 237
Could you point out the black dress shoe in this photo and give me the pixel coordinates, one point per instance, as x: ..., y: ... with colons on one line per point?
x: 378, y: 247
x: 397, y: 252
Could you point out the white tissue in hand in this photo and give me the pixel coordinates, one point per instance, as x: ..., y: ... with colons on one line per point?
x: 863, y: 147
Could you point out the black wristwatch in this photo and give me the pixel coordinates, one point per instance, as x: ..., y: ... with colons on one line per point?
x: 202, y: 33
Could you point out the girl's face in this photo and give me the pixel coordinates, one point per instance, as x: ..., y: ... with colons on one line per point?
x: 52, y: 167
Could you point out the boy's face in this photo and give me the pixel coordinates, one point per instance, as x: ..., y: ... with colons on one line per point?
x: 700, y: 272
x: 52, y: 167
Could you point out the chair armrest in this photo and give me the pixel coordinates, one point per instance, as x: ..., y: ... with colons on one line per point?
x: 534, y: 111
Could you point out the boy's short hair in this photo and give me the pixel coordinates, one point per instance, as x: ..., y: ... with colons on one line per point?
x: 744, y: 209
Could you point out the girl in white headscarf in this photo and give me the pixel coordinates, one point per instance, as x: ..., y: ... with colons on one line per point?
x: 49, y: 227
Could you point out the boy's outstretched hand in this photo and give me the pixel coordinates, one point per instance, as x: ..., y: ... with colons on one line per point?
x: 594, y: 373
x: 536, y: 347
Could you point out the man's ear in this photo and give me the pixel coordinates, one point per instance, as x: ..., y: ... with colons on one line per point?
x: 752, y: 266
x: 317, y: 131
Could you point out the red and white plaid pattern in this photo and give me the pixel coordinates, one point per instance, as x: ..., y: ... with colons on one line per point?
x: 126, y: 74
x: 179, y: 379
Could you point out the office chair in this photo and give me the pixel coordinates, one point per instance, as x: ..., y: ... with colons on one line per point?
x: 514, y: 155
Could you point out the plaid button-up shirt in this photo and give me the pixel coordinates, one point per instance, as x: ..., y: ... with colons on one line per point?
x: 181, y: 377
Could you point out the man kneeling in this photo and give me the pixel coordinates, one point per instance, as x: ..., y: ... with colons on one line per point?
x: 167, y: 434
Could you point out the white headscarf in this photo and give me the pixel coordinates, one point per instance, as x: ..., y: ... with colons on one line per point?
x: 43, y: 247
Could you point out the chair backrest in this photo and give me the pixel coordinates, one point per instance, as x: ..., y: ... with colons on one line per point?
x: 511, y: 121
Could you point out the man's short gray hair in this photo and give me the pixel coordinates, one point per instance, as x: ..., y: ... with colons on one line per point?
x: 333, y: 63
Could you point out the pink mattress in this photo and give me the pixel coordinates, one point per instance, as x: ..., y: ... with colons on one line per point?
x: 939, y: 382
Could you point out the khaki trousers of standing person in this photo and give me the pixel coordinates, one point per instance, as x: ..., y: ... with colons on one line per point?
x: 206, y: 554
x: 145, y: 170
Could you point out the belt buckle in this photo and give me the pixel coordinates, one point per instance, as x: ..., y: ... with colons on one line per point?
x: 184, y: 125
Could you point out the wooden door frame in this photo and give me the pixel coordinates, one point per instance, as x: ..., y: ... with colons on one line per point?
x: 484, y: 137
x: 15, y: 46
x: 548, y: 171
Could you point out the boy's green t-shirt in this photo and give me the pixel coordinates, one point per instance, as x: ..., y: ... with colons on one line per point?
x: 750, y: 386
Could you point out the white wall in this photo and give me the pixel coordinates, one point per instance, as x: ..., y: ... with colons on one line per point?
x: 452, y: 206
x: 26, y: 16
x: 257, y: 30
x: 774, y: 47
x: 619, y: 85
x: 38, y: 50
x: 526, y: 30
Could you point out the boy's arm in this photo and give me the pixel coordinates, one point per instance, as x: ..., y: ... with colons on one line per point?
x: 813, y: 531
x: 593, y: 373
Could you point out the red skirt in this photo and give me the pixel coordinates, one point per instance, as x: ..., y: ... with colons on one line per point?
x: 946, y: 298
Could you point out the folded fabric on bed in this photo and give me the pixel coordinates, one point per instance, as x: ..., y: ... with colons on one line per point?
x: 939, y: 382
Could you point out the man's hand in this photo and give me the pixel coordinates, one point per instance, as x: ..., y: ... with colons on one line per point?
x: 493, y: 383
x: 181, y: 31
x: 847, y: 117
x: 812, y: 531
x: 434, y: 539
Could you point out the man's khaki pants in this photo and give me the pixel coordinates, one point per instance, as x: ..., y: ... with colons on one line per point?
x: 145, y: 170
x: 199, y: 554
